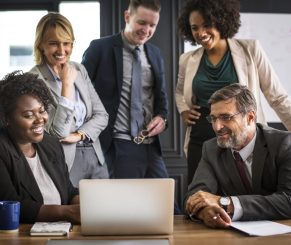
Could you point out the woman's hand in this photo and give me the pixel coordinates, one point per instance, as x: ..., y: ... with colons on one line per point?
x: 72, y: 213
x: 71, y: 138
x: 51, y: 213
x: 191, y: 116
x: 67, y: 74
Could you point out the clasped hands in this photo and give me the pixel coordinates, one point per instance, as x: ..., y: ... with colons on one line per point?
x: 205, y: 206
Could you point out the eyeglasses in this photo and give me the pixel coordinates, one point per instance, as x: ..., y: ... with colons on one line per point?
x: 222, y: 117
x: 143, y: 134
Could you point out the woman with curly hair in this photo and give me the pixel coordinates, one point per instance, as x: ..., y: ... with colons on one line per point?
x: 33, y: 169
x: 221, y: 60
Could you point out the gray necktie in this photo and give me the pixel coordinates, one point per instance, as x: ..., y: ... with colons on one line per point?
x: 136, y: 111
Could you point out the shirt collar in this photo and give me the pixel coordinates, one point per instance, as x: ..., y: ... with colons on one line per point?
x: 53, y: 73
x: 248, y: 149
x: 129, y: 46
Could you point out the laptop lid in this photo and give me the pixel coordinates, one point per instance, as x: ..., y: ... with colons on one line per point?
x: 126, y: 206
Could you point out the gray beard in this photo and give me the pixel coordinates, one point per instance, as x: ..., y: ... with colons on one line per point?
x: 235, y: 141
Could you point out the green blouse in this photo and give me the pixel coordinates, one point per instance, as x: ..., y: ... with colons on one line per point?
x: 210, y: 78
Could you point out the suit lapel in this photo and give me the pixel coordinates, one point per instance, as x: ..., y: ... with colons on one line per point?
x: 52, y: 84
x: 82, y: 89
x: 118, y: 54
x: 190, y: 71
x: 28, y: 181
x: 24, y: 173
x: 259, y: 158
x: 232, y: 172
x: 49, y: 79
x: 239, y: 61
x: 151, y: 56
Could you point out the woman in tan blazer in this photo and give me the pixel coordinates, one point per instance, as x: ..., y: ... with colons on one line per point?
x: 220, y: 61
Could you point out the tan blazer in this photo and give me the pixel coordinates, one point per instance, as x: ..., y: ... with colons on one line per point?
x: 253, y: 70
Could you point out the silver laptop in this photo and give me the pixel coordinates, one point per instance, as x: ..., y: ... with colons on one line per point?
x: 126, y: 206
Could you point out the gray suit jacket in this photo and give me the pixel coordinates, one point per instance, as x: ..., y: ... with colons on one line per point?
x: 271, y: 175
x: 62, y: 120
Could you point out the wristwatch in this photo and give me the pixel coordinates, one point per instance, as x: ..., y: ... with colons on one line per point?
x: 82, y: 135
x: 165, y: 121
x: 224, y: 202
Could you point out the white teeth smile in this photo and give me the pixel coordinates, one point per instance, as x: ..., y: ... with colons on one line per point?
x: 205, y: 40
x: 38, y: 130
x: 59, y: 56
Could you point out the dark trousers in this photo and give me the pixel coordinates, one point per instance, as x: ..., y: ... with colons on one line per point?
x: 125, y: 159
x: 200, y: 132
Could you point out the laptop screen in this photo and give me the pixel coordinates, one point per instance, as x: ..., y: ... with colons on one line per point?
x: 126, y: 206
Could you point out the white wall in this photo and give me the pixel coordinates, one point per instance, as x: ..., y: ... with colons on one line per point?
x: 274, y: 33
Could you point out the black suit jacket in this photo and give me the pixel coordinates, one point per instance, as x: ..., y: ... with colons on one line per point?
x: 103, y: 60
x: 271, y: 175
x: 17, y: 182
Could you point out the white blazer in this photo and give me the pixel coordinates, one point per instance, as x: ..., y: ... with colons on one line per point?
x: 253, y: 70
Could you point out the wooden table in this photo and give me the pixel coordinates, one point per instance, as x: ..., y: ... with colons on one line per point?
x: 185, y: 232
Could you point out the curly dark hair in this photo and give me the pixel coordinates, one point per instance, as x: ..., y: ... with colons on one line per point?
x: 16, y: 84
x: 224, y: 15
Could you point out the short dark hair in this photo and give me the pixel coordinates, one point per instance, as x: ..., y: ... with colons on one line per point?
x: 154, y: 5
x: 224, y: 15
x: 16, y: 84
x: 244, y: 98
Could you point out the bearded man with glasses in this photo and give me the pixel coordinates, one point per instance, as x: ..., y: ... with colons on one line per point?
x: 245, y: 172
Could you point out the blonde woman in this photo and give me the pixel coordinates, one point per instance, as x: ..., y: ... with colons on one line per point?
x: 77, y: 116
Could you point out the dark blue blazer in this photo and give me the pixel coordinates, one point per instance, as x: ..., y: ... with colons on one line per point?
x: 103, y: 60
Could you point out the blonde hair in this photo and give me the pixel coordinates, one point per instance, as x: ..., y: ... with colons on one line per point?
x: 63, y: 29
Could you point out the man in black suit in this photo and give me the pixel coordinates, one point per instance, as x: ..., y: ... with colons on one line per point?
x: 254, y: 186
x: 109, y: 62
